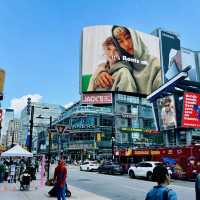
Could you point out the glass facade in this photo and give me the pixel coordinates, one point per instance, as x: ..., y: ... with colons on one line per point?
x: 92, y: 128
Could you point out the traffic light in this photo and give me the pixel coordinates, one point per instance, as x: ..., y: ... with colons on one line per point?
x: 28, y: 107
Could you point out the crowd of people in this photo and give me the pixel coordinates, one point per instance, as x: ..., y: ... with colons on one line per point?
x: 14, y: 168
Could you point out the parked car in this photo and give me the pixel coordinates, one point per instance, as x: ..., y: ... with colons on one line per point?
x: 111, y: 168
x: 89, y: 166
x: 143, y: 169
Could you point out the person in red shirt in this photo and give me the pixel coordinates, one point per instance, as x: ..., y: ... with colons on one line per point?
x: 60, y: 175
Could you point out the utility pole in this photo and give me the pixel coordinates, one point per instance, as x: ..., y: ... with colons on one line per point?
x: 49, y: 149
x: 31, y: 128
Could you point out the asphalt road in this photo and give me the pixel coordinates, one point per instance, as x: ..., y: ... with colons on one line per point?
x: 118, y: 187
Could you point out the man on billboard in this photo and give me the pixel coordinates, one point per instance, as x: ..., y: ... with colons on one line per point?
x: 134, y: 56
x: 168, y: 114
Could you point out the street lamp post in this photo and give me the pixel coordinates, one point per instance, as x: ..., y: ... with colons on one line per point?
x: 49, y: 149
x: 31, y: 128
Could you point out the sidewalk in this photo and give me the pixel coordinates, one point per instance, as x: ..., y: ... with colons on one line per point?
x: 38, y: 191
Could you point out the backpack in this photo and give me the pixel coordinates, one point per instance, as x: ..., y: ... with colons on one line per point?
x: 165, y: 194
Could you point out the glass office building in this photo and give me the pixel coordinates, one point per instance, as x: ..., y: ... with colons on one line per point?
x: 93, y: 131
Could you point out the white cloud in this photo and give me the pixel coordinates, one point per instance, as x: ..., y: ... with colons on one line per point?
x: 19, y: 103
x: 68, y: 104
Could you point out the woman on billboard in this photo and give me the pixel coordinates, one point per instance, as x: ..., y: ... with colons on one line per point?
x: 145, y: 69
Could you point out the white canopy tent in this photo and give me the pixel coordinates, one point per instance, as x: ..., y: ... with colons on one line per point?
x: 17, y: 151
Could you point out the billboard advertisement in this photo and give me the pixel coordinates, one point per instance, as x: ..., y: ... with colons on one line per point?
x: 191, y: 110
x: 171, y: 54
x: 166, y: 113
x: 97, y: 98
x: 116, y: 58
x: 188, y: 59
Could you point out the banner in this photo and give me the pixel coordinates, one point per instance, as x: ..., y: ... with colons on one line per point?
x: 191, y: 110
x: 171, y: 55
x: 116, y: 58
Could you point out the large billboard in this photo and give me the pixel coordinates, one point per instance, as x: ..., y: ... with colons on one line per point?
x: 167, y: 113
x: 191, y: 110
x: 188, y: 59
x: 116, y: 58
x: 171, y: 54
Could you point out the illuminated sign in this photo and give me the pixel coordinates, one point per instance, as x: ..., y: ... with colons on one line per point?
x: 132, y: 129
x: 191, y: 110
x: 146, y: 131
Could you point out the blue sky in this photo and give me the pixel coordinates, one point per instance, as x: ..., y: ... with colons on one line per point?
x: 40, y: 39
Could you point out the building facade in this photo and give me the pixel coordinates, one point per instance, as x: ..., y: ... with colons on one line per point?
x: 94, y: 131
x: 41, y: 119
x: 13, y: 132
x: 8, y: 114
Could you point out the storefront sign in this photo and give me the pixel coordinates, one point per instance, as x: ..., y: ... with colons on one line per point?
x: 97, y: 98
x: 128, y: 115
x: 191, y: 110
x: 146, y: 131
x: 132, y: 129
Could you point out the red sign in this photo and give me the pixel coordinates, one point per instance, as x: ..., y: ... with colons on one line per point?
x: 60, y: 128
x: 97, y: 98
x: 191, y: 111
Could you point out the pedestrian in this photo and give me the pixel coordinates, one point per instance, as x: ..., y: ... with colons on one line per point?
x: 60, y: 176
x: 197, y: 187
x: 161, y: 191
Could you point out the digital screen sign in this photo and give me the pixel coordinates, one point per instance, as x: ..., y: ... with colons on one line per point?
x: 191, y: 110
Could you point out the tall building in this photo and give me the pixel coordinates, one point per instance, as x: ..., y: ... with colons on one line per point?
x: 7, y: 116
x: 41, y: 119
x: 14, y: 128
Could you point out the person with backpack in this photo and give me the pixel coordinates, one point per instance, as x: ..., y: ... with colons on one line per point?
x: 161, y: 191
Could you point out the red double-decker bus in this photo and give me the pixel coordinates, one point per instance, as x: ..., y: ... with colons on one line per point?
x: 183, y: 161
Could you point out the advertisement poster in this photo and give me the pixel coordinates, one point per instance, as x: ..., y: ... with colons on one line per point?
x: 188, y: 59
x: 191, y: 110
x: 167, y: 113
x: 171, y: 55
x: 116, y: 58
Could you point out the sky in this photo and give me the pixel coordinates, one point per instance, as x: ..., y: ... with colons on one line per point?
x: 40, y: 40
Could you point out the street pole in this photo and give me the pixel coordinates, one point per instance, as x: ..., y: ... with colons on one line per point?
x: 59, y: 141
x: 49, y: 149
x: 31, y: 128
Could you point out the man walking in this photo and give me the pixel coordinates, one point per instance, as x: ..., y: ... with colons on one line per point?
x: 60, y: 176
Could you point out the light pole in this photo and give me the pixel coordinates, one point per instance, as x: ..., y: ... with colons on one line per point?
x: 31, y: 128
x: 49, y: 138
